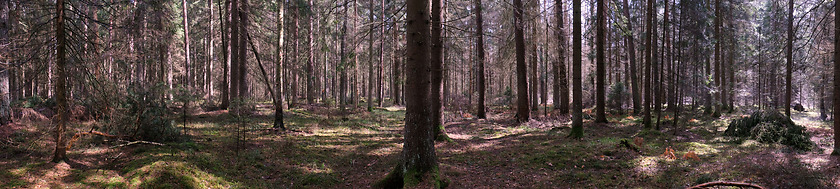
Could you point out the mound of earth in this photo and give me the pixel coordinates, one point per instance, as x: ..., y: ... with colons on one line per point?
x: 770, y: 127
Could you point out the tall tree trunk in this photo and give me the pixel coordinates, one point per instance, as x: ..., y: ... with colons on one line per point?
x: 631, y: 44
x: 234, y: 54
x: 836, y: 95
x: 577, y: 89
x: 5, y: 26
x: 561, y: 81
x: 648, y: 59
x: 370, y: 60
x: 278, y: 66
x: 188, y: 79
x: 600, y: 114
x: 243, y: 47
x: 60, y: 87
x: 310, y: 64
x: 789, y: 75
x: 418, y: 155
x: 437, y: 71
x: 226, y: 55
x: 342, y: 66
x: 523, y: 112
x: 479, y: 46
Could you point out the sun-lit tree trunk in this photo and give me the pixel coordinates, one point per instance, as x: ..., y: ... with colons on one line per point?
x: 310, y: 62
x: 60, y: 88
x: 600, y: 114
x: 187, y: 54
x: 479, y: 46
x: 5, y: 26
x: 577, y: 90
x: 278, y: 66
x: 418, y: 156
x: 561, y: 81
x: 209, y: 73
x: 523, y: 111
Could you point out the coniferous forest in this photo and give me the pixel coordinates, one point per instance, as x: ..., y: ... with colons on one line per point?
x: 419, y: 94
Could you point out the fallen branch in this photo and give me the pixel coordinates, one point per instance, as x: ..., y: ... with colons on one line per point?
x: 726, y: 183
x: 137, y: 142
x: 78, y: 135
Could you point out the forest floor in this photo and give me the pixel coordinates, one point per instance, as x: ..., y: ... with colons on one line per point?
x: 323, y: 150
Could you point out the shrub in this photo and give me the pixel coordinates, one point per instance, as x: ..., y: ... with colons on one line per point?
x: 770, y: 127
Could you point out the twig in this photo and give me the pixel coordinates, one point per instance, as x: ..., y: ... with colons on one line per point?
x: 726, y: 183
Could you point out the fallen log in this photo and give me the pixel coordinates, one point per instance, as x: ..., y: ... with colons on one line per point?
x: 726, y: 183
x: 79, y: 135
x: 627, y: 145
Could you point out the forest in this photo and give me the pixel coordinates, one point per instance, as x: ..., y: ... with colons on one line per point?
x: 419, y: 94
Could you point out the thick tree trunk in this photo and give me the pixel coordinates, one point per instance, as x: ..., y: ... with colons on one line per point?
x: 60, y: 87
x: 479, y: 46
x: 418, y: 156
x: 523, y: 112
x: 226, y: 55
x: 561, y: 81
x: 234, y: 54
x: 278, y: 67
x: 600, y: 114
x: 577, y: 89
x: 243, y: 47
x: 437, y: 71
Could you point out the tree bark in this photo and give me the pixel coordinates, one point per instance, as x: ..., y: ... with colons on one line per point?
x: 437, y: 71
x: 577, y: 89
x: 523, y: 112
x: 631, y: 44
x: 561, y: 81
x: 278, y: 67
x: 836, y: 95
x: 418, y: 155
x: 60, y: 86
x: 5, y: 26
x: 479, y: 46
x: 600, y: 114
x: 648, y: 59
x: 789, y: 65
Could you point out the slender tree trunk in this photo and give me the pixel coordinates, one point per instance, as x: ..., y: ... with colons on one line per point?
x: 600, y: 114
x: 370, y: 61
x: 634, y: 81
x: 646, y: 121
x: 836, y: 95
x: 187, y: 54
x: 226, y: 55
x: 577, y: 89
x: 789, y: 75
x: 523, y: 112
x: 310, y: 64
x: 278, y: 66
x: 60, y: 88
x: 243, y: 47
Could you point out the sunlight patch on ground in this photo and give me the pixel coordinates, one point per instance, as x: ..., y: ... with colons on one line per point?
x: 395, y: 108
x: 647, y: 165
x: 701, y: 149
x: 163, y: 173
x: 389, y: 149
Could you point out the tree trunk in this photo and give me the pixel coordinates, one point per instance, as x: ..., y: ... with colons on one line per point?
x: 836, y: 151
x: 187, y: 54
x: 600, y: 114
x: 479, y: 46
x: 226, y: 55
x: 631, y: 44
x: 5, y: 25
x: 646, y: 119
x: 523, y: 112
x: 561, y: 81
x: 310, y: 62
x: 243, y: 47
x: 370, y: 61
x: 789, y: 75
x: 577, y: 90
x: 60, y: 88
x: 418, y: 157
x: 234, y: 54
x: 437, y: 71
x: 278, y: 67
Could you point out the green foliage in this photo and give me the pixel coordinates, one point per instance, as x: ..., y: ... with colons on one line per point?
x: 34, y: 102
x: 617, y: 91
x: 508, y: 95
x: 142, y: 116
x: 771, y: 127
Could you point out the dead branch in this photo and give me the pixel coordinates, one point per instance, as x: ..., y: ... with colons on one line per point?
x: 137, y: 142
x: 726, y: 183
x: 627, y: 144
x: 79, y: 135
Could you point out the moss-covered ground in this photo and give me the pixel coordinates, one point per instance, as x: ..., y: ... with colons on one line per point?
x: 323, y: 149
